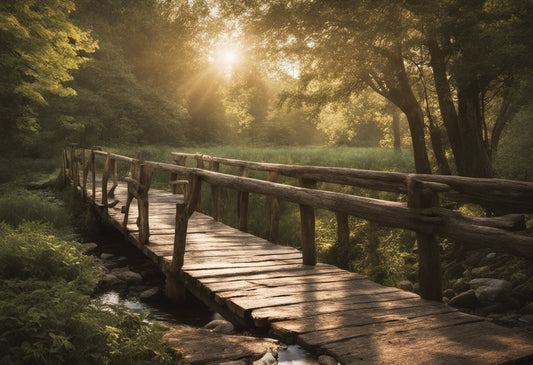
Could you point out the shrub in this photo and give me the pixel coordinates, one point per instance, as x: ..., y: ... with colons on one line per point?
x: 47, y: 315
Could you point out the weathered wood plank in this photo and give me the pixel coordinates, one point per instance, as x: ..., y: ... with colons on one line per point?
x: 470, y: 343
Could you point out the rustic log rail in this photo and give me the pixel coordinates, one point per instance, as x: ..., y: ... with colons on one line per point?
x: 421, y: 213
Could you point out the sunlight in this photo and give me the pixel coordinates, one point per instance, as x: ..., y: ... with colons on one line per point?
x: 226, y: 57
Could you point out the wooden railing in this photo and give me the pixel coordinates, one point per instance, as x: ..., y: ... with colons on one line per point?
x: 421, y: 213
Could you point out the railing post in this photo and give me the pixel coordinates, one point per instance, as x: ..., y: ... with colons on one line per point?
x: 429, y: 275
x: 180, y: 237
x: 200, y: 165
x: 272, y: 210
x: 64, y: 166
x: 215, y: 192
x: 146, y: 174
x: 307, y: 221
x: 343, y: 231
x: 105, y: 178
x: 92, y: 163
x: 132, y: 192
x: 242, y: 203
x: 85, y: 166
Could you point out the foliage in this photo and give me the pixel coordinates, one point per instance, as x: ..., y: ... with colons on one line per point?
x: 40, y: 48
x: 514, y: 159
x: 18, y: 205
x: 47, y: 315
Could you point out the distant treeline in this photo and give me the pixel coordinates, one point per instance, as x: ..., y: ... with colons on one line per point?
x: 451, y: 79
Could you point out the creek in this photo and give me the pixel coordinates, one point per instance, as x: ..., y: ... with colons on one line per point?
x: 115, y: 254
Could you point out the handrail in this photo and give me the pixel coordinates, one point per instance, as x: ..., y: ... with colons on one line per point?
x: 421, y: 213
x: 511, y: 195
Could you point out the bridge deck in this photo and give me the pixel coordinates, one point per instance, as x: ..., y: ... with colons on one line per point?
x: 259, y: 284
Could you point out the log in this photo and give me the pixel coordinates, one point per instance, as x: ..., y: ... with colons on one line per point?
x: 242, y: 203
x: 429, y: 274
x: 180, y: 237
x: 272, y: 209
x: 215, y: 193
x: 307, y: 222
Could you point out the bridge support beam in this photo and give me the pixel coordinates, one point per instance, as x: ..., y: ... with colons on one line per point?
x: 174, y: 288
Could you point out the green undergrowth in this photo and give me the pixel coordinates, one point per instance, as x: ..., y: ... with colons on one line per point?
x: 47, y: 313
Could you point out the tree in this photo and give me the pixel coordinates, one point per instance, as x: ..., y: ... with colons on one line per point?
x: 40, y: 47
x: 341, y: 48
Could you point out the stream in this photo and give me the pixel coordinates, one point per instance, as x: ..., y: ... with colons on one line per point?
x: 115, y: 254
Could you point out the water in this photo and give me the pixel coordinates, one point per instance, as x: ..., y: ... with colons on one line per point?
x: 193, y: 313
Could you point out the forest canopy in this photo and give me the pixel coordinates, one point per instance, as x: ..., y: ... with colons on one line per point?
x: 448, y: 78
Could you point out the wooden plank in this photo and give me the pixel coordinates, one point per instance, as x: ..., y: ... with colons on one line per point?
x: 321, y: 337
x: 377, y: 303
x: 343, y: 287
x: 358, y: 317
x: 470, y: 343
x: 244, y: 305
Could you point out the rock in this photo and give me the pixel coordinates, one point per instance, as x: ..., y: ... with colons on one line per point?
x: 267, y: 359
x: 467, y: 299
x: 491, y: 255
x: 524, y: 291
x: 527, y: 309
x: 201, y: 346
x: 480, y: 271
x: 220, y: 326
x: 449, y: 293
x: 406, y: 285
x: 491, y: 290
x: 111, y: 280
x: 106, y: 256
x: 327, y: 360
x: 89, y: 246
x: 460, y: 285
x: 130, y: 277
x: 119, y: 270
x: 527, y: 318
x: 150, y: 295
x: 121, y: 260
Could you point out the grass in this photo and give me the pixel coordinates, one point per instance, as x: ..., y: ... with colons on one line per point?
x: 373, y: 250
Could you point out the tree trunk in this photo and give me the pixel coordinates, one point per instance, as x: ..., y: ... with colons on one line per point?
x: 438, y: 149
x: 402, y: 96
x: 396, y: 128
x: 464, y: 126
x: 475, y: 151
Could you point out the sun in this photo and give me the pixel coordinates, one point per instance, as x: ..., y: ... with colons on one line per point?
x: 226, y: 58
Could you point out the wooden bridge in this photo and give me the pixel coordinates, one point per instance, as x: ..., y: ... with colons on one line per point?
x: 260, y: 285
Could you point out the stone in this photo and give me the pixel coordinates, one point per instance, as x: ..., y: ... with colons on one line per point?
x: 527, y: 309
x: 467, y: 299
x: 524, y: 292
x: 527, y: 318
x: 267, y: 359
x: 106, y: 256
x: 460, y: 285
x: 220, y: 326
x: 406, y: 285
x: 449, y: 293
x: 89, y: 246
x: 130, y: 277
x: 480, y: 271
x: 201, y: 346
x: 491, y: 290
x: 119, y: 270
x: 327, y: 360
x: 150, y: 295
x: 111, y: 280
x: 121, y: 260
x: 491, y: 255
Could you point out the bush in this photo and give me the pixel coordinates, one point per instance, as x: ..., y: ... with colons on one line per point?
x: 47, y: 315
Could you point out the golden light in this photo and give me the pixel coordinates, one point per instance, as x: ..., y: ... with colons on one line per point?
x: 225, y: 57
